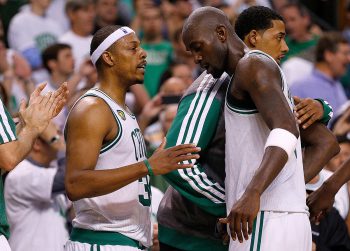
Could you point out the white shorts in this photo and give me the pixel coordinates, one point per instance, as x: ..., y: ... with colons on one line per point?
x: 78, y: 246
x: 4, y: 245
x: 276, y: 231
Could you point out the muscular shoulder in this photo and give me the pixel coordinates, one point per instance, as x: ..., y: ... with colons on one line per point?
x: 256, y: 69
x: 90, y: 114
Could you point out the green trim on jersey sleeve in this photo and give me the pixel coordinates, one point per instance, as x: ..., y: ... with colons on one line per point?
x: 187, y: 242
x: 7, y: 126
x: 196, y: 121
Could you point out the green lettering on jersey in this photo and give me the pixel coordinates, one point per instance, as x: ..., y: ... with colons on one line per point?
x: 139, y: 144
x: 145, y: 193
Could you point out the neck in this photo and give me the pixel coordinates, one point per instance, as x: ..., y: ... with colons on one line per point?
x: 37, y: 10
x: 78, y: 31
x: 324, y: 68
x: 236, y: 50
x: 58, y: 78
x: 114, y: 87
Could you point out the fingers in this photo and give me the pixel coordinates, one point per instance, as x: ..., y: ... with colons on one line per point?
x: 47, y: 100
x: 311, y: 120
x: 238, y: 227
x: 250, y: 225
x: 296, y: 100
x: 244, y: 228
x: 224, y: 220
x: 22, y: 106
x: 37, y: 91
x: 306, y: 104
x: 188, y: 157
x: 162, y: 145
x: 181, y: 147
x: 183, y: 151
x: 53, y: 104
x: 306, y: 116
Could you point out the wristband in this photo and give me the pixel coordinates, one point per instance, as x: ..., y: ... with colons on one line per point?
x: 282, y: 138
x: 327, y: 111
x: 149, y: 168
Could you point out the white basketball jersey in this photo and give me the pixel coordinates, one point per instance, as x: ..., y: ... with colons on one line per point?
x: 246, y: 135
x: 127, y: 210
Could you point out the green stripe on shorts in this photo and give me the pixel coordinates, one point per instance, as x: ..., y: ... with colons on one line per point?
x: 103, y: 238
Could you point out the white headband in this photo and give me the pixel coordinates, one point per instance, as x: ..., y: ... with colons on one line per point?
x: 115, y: 36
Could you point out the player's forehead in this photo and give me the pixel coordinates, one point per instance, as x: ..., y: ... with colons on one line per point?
x: 278, y: 27
x: 128, y: 40
x: 194, y: 36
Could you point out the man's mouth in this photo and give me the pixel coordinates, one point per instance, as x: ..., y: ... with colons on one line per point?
x: 142, y: 65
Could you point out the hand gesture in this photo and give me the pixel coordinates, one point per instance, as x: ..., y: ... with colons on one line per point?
x: 242, y: 216
x: 319, y: 203
x: 42, y: 108
x: 307, y: 111
x: 164, y: 161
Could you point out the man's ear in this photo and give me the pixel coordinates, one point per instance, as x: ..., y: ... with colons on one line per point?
x: 252, y: 38
x: 51, y: 64
x: 328, y: 56
x: 221, y: 32
x: 108, y: 58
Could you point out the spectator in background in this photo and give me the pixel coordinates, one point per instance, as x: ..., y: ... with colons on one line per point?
x: 175, y: 12
x: 31, y: 31
x: 330, y: 234
x: 159, y: 51
x: 15, y: 75
x: 183, y: 71
x: 81, y: 14
x: 299, y: 40
x: 30, y: 192
x: 181, y: 55
x: 57, y: 11
x: 107, y: 13
x: 59, y: 62
x: 332, y: 59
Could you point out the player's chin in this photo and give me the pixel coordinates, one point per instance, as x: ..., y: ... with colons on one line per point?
x: 139, y: 81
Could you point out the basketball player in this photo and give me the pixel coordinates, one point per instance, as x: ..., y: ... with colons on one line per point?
x: 107, y: 169
x: 189, y: 209
x: 17, y: 141
x: 253, y: 102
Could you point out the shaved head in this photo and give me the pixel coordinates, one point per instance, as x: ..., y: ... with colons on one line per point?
x: 207, y: 33
x: 205, y: 19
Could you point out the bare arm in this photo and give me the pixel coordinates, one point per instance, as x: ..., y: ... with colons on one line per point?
x: 321, y: 200
x: 259, y: 79
x: 265, y: 90
x: 320, y: 146
x: 84, y: 140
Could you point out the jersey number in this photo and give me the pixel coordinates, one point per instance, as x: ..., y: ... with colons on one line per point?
x: 145, y: 194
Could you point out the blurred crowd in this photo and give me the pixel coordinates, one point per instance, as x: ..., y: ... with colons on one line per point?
x: 49, y: 41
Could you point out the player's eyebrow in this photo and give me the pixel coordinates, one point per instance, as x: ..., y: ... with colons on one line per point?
x: 134, y: 42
